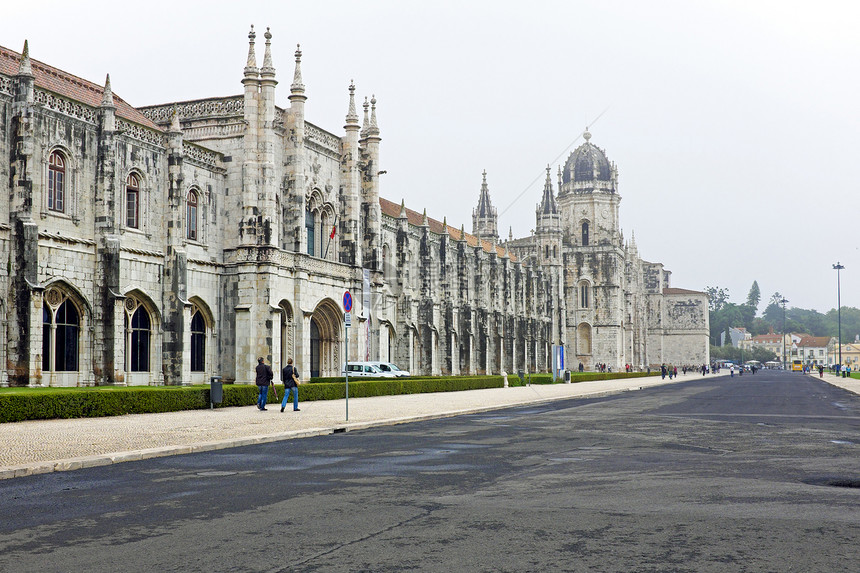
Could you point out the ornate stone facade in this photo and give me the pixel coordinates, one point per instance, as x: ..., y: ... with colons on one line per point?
x: 167, y: 244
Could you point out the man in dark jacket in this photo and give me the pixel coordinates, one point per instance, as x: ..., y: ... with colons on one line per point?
x: 290, y: 378
x: 264, y: 378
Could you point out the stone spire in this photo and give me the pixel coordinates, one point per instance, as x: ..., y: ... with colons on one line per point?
x: 174, y: 132
x: 108, y: 109
x: 373, y: 129
x: 351, y: 115
x: 268, y: 69
x: 485, y: 207
x: 298, y: 87
x: 403, y: 214
x: 107, y: 98
x: 366, y: 124
x: 424, y: 221
x: 484, y: 217
x: 548, y: 205
x: 445, y: 226
x: 251, y: 66
x: 462, y: 232
x: 24, y: 68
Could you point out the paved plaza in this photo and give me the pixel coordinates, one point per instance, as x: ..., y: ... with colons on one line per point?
x: 42, y: 446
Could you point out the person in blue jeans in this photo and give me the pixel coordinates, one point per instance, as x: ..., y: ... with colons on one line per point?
x: 264, y: 378
x: 290, y: 378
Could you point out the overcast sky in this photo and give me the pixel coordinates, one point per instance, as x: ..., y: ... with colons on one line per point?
x: 734, y: 124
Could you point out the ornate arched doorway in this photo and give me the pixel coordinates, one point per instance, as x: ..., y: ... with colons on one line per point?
x: 325, y: 339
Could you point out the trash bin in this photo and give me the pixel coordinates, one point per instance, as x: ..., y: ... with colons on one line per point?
x: 216, y: 391
x: 567, y: 376
x: 522, y: 375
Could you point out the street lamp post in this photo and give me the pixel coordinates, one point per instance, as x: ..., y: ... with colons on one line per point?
x: 837, y: 267
x: 783, y: 301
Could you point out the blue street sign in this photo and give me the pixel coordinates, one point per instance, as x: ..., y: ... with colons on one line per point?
x: 347, y: 301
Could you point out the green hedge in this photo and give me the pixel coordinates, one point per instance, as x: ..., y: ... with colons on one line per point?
x: 19, y: 404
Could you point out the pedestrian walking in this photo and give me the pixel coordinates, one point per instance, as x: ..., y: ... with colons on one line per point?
x: 264, y: 378
x: 290, y: 378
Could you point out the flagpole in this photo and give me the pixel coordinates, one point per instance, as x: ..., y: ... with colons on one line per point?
x: 330, y: 237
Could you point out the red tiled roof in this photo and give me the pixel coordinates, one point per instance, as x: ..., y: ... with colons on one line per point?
x: 764, y: 338
x: 814, y: 341
x: 69, y: 86
x: 415, y: 218
x: 680, y: 291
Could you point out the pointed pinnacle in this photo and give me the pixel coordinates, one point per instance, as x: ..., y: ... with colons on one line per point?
x: 107, y: 98
x: 24, y: 68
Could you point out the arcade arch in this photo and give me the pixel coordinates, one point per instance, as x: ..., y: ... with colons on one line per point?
x: 325, y: 337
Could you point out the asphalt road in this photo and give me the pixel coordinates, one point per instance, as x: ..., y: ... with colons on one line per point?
x: 757, y: 473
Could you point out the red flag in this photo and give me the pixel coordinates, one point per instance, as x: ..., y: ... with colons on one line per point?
x: 333, y: 229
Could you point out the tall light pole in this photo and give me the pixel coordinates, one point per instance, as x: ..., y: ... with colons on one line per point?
x: 838, y: 268
x: 783, y: 301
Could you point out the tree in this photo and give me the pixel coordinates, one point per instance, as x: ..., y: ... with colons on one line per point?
x: 729, y: 316
x: 775, y: 298
x: 717, y: 298
x: 754, y: 296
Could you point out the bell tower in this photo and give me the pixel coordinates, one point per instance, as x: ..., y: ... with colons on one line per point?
x: 485, y: 220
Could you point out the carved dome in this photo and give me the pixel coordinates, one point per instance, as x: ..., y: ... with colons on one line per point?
x: 587, y: 163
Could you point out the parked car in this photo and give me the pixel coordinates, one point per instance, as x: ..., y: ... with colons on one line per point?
x: 365, y: 370
x: 389, y: 367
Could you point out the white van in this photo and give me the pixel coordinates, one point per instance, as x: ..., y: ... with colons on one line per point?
x: 365, y: 370
x: 389, y: 367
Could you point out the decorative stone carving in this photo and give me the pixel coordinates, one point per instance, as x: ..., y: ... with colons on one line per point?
x: 64, y: 106
x: 5, y: 85
x: 216, y: 107
x: 54, y: 297
x: 141, y: 133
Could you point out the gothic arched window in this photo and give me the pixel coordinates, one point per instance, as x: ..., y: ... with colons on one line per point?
x: 191, y: 203
x: 309, y: 226
x: 138, y: 334
x: 583, y: 295
x: 198, y: 342
x: 132, y: 201
x: 60, y: 332
x: 585, y: 234
x: 57, y: 182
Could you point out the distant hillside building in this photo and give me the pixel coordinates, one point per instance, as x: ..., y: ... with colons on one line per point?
x: 737, y: 335
x: 818, y: 350
x: 165, y: 244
